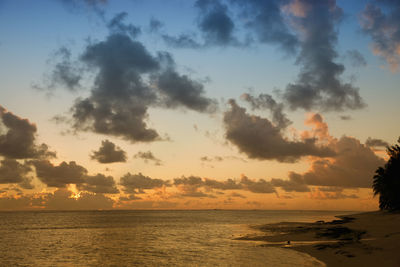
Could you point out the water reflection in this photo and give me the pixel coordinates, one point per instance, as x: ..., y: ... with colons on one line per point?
x: 143, y: 238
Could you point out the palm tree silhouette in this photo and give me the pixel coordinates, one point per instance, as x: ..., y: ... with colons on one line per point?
x: 387, y: 181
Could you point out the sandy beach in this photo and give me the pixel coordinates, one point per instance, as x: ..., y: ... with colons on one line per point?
x: 365, y: 239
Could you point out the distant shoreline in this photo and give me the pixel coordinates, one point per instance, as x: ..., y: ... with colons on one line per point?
x: 363, y: 239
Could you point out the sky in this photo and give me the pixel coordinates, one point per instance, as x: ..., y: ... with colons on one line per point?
x: 207, y: 104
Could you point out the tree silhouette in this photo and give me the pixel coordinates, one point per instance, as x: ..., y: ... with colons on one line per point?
x: 387, y: 181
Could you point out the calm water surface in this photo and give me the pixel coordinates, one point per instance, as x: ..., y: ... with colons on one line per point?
x: 145, y: 238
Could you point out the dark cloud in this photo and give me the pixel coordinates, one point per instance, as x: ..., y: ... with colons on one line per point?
x: 13, y: 203
x: 65, y: 72
x: 155, y: 25
x: 345, y: 117
x: 180, y: 90
x: 117, y: 26
x: 129, y: 197
x: 353, y: 166
x: 294, y: 184
x: 356, y: 58
x: 235, y: 194
x: 128, y: 80
x: 118, y: 102
x: 87, y: 2
x: 96, y: 6
x: 266, y: 20
x: 320, y: 193
x: 265, y: 101
x: 191, y: 180
x: 258, y: 138
x: 13, y: 172
x: 211, y: 159
x: 99, y: 184
x: 148, y: 156
x: 62, y: 200
x: 109, y: 153
x: 17, y: 138
x: 381, y: 21
x: 375, y: 142
x: 261, y: 186
x: 319, y: 84
x: 215, y: 23
x: 228, y: 184
x: 191, y: 185
x: 136, y: 183
x: 181, y: 41
x: 219, y: 158
x: 61, y: 175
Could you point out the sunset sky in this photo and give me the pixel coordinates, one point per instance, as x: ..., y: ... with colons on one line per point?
x: 235, y: 104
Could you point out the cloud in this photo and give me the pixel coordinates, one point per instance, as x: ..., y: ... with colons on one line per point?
x: 261, y: 186
x: 180, y: 90
x: 109, y: 153
x: 356, y: 58
x: 181, y: 41
x: 61, y: 175
x: 209, y: 159
x: 117, y: 26
x: 13, y: 172
x: 148, y: 156
x: 353, y: 166
x: 190, y: 185
x: 18, y: 142
x: 345, y: 117
x: 86, y: 5
x: 235, y: 194
x: 118, y: 102
x: 215, y: 23
x: 136, y: 183
x: 267, y: 21
x: 219, y: 158
x: 381, y: 21
x: 65, y: 73
x: 155, y: 25
x: 319, y: 193
x: 99, y: 184
x: 228, y: 184
x: 62, y: 200
x: 265, y: 101
x: 258, y: 138
x: 15, y: 203
x: 294, y: 184
x: 319, y: 84
x: 375, y: 142
x: 128, y: 80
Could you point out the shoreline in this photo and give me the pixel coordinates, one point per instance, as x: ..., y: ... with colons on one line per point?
x: 363, y: 239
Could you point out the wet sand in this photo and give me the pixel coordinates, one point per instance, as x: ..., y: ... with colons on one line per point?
x: 365, y: 239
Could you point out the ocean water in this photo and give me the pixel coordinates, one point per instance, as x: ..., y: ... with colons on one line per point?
x: 146, y: 238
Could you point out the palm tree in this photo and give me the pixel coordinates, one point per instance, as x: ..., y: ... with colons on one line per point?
x: 387, y: 181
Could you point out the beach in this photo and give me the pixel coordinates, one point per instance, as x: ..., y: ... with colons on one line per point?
x: 364, y: 239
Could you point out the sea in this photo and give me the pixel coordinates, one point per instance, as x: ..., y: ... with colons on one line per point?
x: 147, y: 238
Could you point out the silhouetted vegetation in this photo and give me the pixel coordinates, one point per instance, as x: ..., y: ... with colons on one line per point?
x: 387, y: 181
